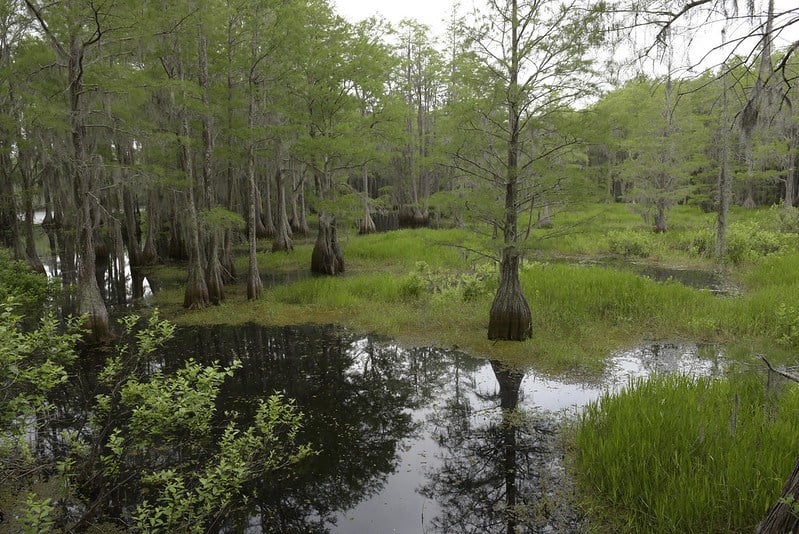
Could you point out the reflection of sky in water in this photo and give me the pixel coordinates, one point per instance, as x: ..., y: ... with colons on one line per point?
x: 400, y: 507
x: 52, y: 265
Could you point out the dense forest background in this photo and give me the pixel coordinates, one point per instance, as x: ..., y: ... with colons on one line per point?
x: 173, y: 131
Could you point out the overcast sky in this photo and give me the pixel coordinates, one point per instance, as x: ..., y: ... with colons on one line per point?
x: 437, y: 13
x: 433, y: 13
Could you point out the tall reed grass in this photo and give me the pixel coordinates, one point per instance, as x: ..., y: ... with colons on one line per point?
x: 672, y: 453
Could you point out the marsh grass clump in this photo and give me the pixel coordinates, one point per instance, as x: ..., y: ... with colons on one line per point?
x: 672, y: 453
x: 408, y: 247
x: 569, y: 296
x: 630, y: 243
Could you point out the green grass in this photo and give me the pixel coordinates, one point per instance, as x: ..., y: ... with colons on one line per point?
x: 410, y: 284
x: 675, y: 454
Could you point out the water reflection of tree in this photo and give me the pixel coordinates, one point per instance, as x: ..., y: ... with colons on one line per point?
x: 355, y: 395
x: 493, y: 471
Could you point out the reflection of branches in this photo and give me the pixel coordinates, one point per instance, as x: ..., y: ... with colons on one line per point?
x: 354, y: 395
x: 493, y: 468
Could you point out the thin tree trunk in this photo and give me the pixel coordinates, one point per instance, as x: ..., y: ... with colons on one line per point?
x: 254, y: 284
x: 268, y: 218
x: 26, y: 170
x: 150, y: 252
x: 229, y: 274
x: 90, y: 300
x: 545, y: 219
x: 294, y: 219
x: 282, y: 241
x: 213, y: 275
x: 367, y: 225
x: 724, y: 184
x: 304, y: 230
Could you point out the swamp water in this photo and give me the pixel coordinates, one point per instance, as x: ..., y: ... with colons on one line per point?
x: 411, y: 440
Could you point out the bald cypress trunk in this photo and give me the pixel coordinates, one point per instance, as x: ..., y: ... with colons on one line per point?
x: 90, y: 300
x: 781, y: 517
x: 266, y: 218
x: 367, y: 224
x: 282, y: 241
x: 254, y: 284
x: 26, y: 170
x: 327, y: 257
x: 510, y: 317
x: 196, y: 294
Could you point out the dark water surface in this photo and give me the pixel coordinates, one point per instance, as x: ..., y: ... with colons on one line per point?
x: 411, y: 440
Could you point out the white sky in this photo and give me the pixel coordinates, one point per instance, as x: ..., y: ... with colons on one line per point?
x: 437, y: 13
x: 433, y: 13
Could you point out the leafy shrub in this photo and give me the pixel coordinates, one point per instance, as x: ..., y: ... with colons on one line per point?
x: 412, y: 286
x: 786, y: 325
x: 483, y: 281
x: 746, y: 241
x: 629, y: 243
x: 784, y: 219
x: 146, y: 418
x: 29, y: 289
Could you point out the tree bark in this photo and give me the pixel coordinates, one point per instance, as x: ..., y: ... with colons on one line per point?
x: 26, y: 170
x: 282, y: 241
x: 327, y: 257
x: 510, y: 317
x: 213, y: 274
x: 254, y: 284
x: 545, y: 219
x: 367, y: 224
x: 196, y: 294
x: 781, y: 517
x: 724, y: 184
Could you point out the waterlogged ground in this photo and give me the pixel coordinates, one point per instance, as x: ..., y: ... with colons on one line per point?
x: 415, y: 440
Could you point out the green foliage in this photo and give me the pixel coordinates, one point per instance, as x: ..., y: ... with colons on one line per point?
x: 38, y: 515
x: 188, y: 500
x: 412, y: 286
x: 630, y: 243
x: 747, y: 240
x: 786, y: 325
x: 219, y: 218
x: 479, y: 283
x: 30, y: 290
x: 676, y: 454
x: 161, y: 436
x: 31, y: 364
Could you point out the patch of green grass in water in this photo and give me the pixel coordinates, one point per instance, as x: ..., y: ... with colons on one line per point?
x: 676, y: 454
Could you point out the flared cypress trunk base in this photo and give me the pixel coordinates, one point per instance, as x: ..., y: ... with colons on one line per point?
x: 327, y: 257
x: 196, y: 294
x: 781, y: 516
x: 367, y: 225
x: 92, y: 306
x: 510, y: 317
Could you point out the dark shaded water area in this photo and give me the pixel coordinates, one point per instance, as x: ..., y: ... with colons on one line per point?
x: 410, y: 440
